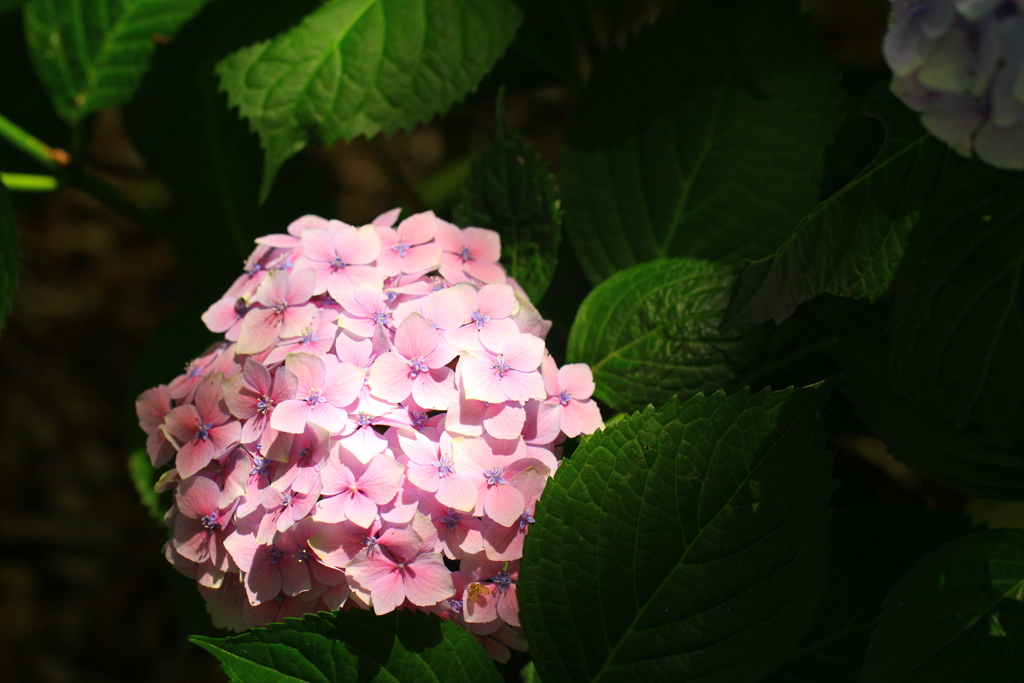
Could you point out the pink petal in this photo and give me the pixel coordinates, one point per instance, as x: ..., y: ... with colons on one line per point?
x: 261, y: 329
x: 485, y: 272
x: 309, y: 371
x: 296, y: 319
x: 330, y: 417
x: 484, y: 245
x: 505, y: 420
x: 386, y: 219
x: 577, y: 380
x: 381, y: 479
x: 415, y: 337
x: 479, y: 380
x: 457, y: 491
x: 294, y: 577
x: 300, y: 225
x: 581, y: 417
x: 290, y: 416
x: 435, y: 389
x: 300, y: 287
x: 197, y: 497
x: 522, y: 386
x: 358, y: 245
x: 424, y: 257
x: 318, y: 245
x: 389, y: 378
x: 342, y: 384
x: 360, y: 509
x: 504, y: 504
x: 495, y: 333
x: 428, y: 581
x: 496, y: 301
x: 524, y: 352
x: 418, y: 228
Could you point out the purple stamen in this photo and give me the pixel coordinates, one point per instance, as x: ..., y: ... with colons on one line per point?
x: 369, y: 542
x: 455, y: 605
x: 259, y: 466
x: 264, y: 404
x: 304, y: 453
x: 465, y: 255
x: 203, y: 430
x: 308, y: 336
x: 391, y: 295
x: 400, y: 248
x: 193, y: 370
x: 500, y: 365
x: 279, y: 306
x: 418, y: 420
x: 275, y: 555
x: 524, y: 519
x: 302, y: 555
x: 480, y: 319
x: 445, y: 466
x: 502, y: 580
x: 314, y: 398
x: 337, y: 263
x: 563, y: 397
x: 363, y: 419
x: 418, y: 365
x: 286, y: 500
x: 241, y: 307
x: 381, y: 317
x: 493, y: 476
x: 452, y: 519
x: 210, y: 523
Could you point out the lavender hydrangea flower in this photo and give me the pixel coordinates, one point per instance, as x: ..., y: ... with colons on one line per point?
x: 959, y: 63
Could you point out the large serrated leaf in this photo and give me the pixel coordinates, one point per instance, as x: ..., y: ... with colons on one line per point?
x: 511, y: 191
x: 10, y: 255
x: 961, y: 459
x: 360, y: 67
x: 682, y: 543
x: 851, y: 244
x: 956, y: 615
x: 652, y: 331
x: 716, y: 152
x: 958, y: 307
x: 354, y: 645
x: 93, y: 54
x: 869, y: 548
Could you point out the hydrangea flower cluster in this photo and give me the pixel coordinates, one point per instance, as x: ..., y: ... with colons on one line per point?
x: 961, y: 64
x: 374, y: 432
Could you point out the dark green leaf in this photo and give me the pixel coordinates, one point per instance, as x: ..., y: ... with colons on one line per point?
x: 354, y: 645
x: 958, y: 308
x: 851, y: 243
x: 93, y: 54
x: 511, y: 191
x: 360, y: 67
x: 715, y: 152
x: 216, y: 185
x: 683, y: 543
x: 962, y: 459
x: 10, y: 255
x: 955, y: 616
x: 651, y: 331
x: 11, y: 4
x: 869, y: 548
x: 143, y: 477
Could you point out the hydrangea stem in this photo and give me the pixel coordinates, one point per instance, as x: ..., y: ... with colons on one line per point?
x: 34, y: 147
x: 28, y: 182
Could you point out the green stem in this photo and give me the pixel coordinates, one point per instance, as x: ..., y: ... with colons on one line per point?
x: 31, y: 145
x: 28, y: 182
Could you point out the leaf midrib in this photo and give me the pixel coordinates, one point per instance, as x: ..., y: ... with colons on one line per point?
x: 669, y: 574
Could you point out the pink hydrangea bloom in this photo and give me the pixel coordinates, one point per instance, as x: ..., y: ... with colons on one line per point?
x: 388, y: 402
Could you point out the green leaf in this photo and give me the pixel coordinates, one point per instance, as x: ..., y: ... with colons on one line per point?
x: 959, y: 458
x: 144, y: 477
x: 360, y: 67
x: 956, y: 615
x: 651, y: 332
x: 685, y: 542
x: 958, y: 307
x: 869, y: 548
x: 216, y: 185
x: 92, y: 54
x: 6, y: 5
x: 354, y: 645
x: 716, y: 152
x: 511, y: 191
x: 10, y: 255
x: 851, y: 244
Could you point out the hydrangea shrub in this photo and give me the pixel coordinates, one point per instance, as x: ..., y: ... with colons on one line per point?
x: 382, y: 402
